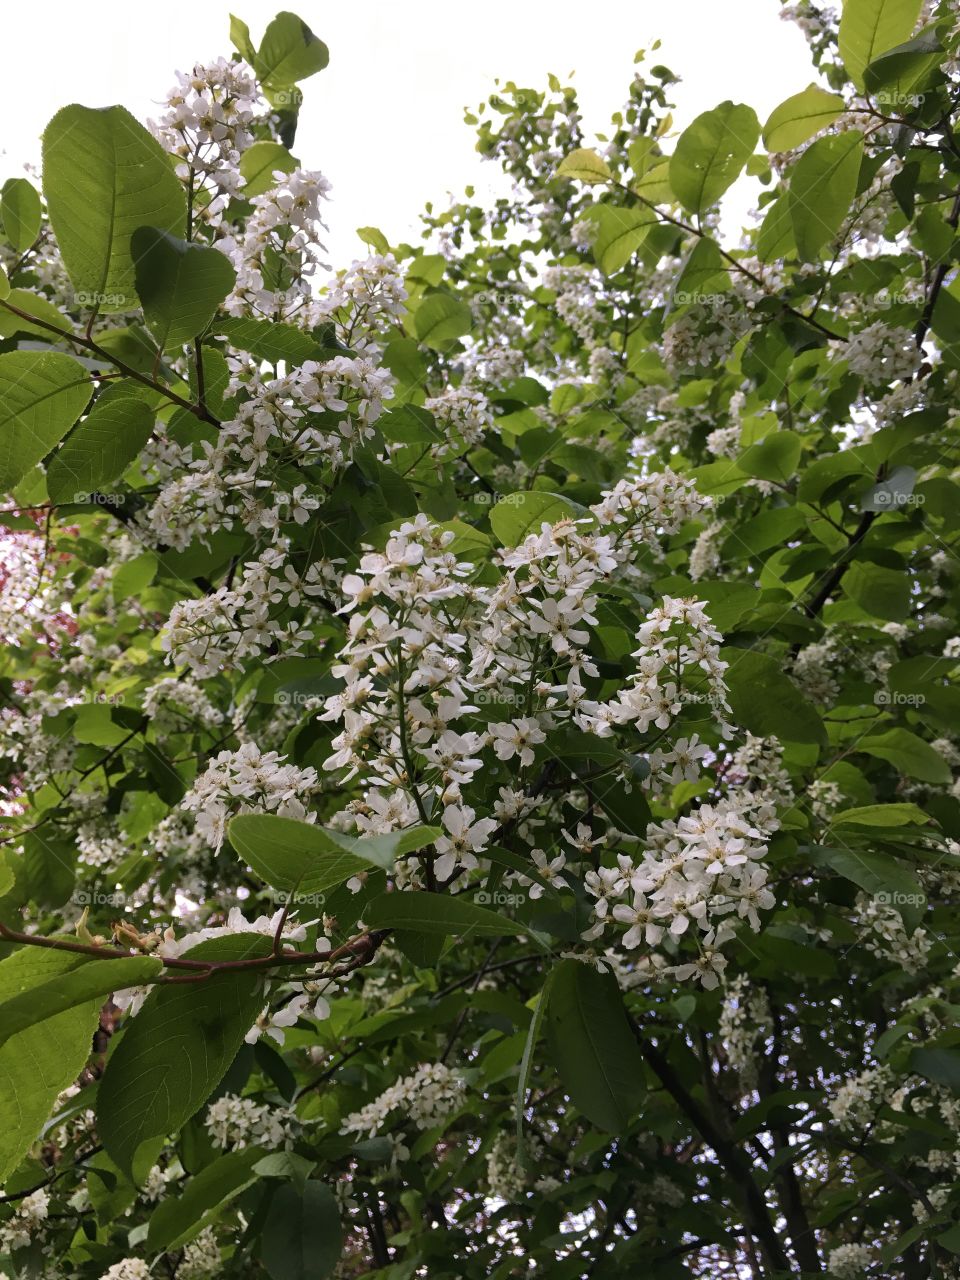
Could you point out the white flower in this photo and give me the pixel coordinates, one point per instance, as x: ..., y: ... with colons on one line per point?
x: 516, y: 738
x: 467, y: 837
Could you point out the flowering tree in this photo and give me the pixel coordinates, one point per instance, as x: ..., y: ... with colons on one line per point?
x: 480, y: 726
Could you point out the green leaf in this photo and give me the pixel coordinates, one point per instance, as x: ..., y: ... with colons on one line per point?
x: 585, y: 165
x: 775, y: 457
x: 268, y: 340
x: 779, y: 954
x: 438, y: 913
x: 821, y: 475
x: 177, y: 1049
x: 540, y: 1007
x: 258, y: 165
x: 20, y: 213
x: 302, y: 1235
x: 66, y: 991
x: 771, y: 528
x: 940, y: 1065
x: 100, y: 449
x: 289, y: 52
x: 375, y: 238
x: 298, y: 856
x: 884, y: 878
x: 884, y: 593
x: 620, y: 232
x: 42, y: 394
x: 103, y: 177
x: 710, y: 154
x: 766, y: 701
x: 899, y: 814
x: 898, y: 76
x: 50, y: 865
x: 240, y: 38
x: 597, y: 1057
x: 133, y: 576
x: 440, y: 318
x: 45, y: 1058
x: 775, y: 237
x: 518, y: 514
x: 178, y: 1219
x: 800, y: 117
x: 704, y: 272
x: 871, y: 27
x: 910, y: 754
x: 34, y: 304
x: 180, y: 285
x: 822, y: 186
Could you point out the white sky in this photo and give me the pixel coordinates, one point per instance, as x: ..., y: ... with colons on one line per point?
x: 384, y: 122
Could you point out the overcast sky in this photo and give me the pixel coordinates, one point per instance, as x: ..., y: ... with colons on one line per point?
x: 384, y: 122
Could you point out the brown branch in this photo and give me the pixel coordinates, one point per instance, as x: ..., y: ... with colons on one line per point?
x: 87, y: 344
x: 356, y: 952
x: 744, y: 1187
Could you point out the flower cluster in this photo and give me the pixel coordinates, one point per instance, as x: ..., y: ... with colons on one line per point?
x: 248, y: 781
x: 427, y: 1097
x: 207, y: 127
x: 234, y: 1122
x: 27, y: 1222
x: 219, y: 631
x: 880, y: 353
x: 285, y: 226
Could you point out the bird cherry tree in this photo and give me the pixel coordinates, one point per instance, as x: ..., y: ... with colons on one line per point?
x: 480, y: 726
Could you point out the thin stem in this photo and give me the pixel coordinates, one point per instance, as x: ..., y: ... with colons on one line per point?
x: 89, y: 345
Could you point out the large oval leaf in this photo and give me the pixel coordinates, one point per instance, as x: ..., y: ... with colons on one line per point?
x: 100, y: 449
x: 103, y: 177
x: 822, y: 187
x: 89, y: 980
x: 180, y: 285
x: 42, y: 394
x: 800, y: 117
x: 302, y: 1236
x: 871, y: 27
x: 45, y: 1058
x: 293, y: 855
x: 596, y: 1054
x: 710, y: 154
x: 177, y: 1049
x: 519, y: 514
x: 440, y: 318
